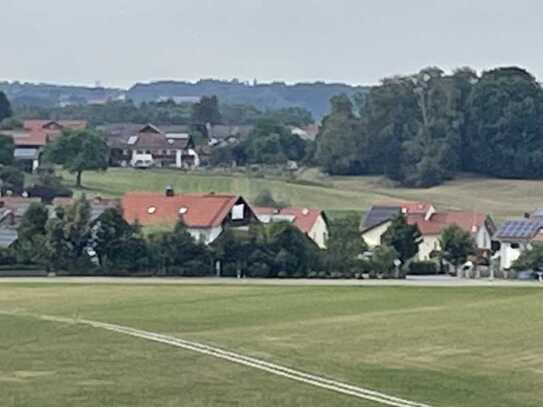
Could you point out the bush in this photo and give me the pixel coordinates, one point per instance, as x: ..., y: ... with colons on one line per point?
x: 282, y: 274
x: 323, y: 274
x: 229, y: 270
x: 259, y: 270
x: 423, y: 268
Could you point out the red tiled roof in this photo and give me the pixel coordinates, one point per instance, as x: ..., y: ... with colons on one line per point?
x: 30, y: 139
x: 415, y: 207
x: 304, y: 218
x: 40, y: 125
x: 469, y: 221
x: 202, y: 211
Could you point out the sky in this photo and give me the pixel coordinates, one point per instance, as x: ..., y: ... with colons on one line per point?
x: 120, y: 42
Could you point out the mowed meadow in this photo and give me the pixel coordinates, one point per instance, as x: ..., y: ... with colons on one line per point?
x: 446, y: 347
x: 498, y: 197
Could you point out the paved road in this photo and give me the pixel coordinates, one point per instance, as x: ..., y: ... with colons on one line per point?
x: 409, y: 282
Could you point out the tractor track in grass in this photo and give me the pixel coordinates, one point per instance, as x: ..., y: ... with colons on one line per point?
x: 272, y: 368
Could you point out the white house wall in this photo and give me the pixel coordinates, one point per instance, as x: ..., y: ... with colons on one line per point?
x: 319, y: 232
x: 206, y: 236
x: 373, y: 236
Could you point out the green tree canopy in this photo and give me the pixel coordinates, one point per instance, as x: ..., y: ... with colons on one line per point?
x: 7, y: 149
x: 206, y: 111
x: 531, y: 259
x: 341, y: 141
x: 404, y: 238
x: 5, y: 107
x: 78, y: 151
x: 505, y: 133
x: 456, y: 245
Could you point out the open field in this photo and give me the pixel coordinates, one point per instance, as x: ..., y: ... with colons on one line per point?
x: 440, y: 346
x: 501, y: 198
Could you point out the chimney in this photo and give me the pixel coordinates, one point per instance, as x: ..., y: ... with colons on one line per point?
x: 169, y: 192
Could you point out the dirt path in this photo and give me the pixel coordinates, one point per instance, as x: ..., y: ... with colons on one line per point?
x: 275, y: 369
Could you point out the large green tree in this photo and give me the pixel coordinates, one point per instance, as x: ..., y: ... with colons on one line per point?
x: 456, y: 245
x: 206, y: 111
x: 7, y: 148
x: 5, y: 107
x: 403, y: 237
x: 341, y: 142
x: 78, y: 151
x: 505, y: 129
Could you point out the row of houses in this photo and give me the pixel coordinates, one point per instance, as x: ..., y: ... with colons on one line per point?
x: 136, y: 145
x: 431, y: 224
x: 207, y: 216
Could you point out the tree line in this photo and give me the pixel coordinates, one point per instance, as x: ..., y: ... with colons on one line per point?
x: 207, y: 110
x: 420, y: 130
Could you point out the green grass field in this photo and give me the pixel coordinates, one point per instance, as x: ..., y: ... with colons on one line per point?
x: 442, y: 346
x: 501, y: 198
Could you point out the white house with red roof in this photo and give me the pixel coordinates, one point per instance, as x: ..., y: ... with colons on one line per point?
x: 205, y: 215
x: 431, y: 224
x: 312, y: 222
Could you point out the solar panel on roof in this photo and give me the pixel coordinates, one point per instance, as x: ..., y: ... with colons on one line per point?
x: 132, y: 140
x: 520, y: 229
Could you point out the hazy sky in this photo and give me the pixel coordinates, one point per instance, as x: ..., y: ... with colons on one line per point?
x: 119, y: 42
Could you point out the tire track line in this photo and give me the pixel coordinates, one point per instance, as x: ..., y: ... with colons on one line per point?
x: 275, y: 369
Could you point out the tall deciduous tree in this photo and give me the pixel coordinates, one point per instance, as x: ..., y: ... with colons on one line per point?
x: 505, y: 131
x: 341, y: 142
x: 7, y: 149
x: 206, y: 111
x: 5, y: 107
x: 78, y: 151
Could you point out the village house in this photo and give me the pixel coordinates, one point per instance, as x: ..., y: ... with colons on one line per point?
x: 431, y: 224
x: 517, y: 235
x: 149, y: 146
x: 312, y: 222
x: 206, y: 216
x: 35, y: 135
x: 12, y: 210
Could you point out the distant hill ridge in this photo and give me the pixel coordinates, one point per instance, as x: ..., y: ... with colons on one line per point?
x: 314, y: 97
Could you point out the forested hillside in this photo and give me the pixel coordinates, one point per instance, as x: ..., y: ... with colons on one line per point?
x: 313, y: 97
x: 422, y: 129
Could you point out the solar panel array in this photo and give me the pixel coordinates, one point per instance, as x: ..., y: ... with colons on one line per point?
x: 520, y: 229
x: 379, y: 214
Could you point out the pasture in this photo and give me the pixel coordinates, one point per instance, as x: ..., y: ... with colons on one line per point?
x: 500, y: 198
x: 441, y: 346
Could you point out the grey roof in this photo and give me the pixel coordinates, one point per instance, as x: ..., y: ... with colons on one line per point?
x: 538, y: 213
x: 519, y: 229
x: 378, y: 215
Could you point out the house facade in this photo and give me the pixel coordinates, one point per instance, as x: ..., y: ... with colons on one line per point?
x: 149, y: 146
x: 516, y: 236
x: 431, y: 224
x: 312, y: 222
x: 35, y: 135
x: 205, y: 216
